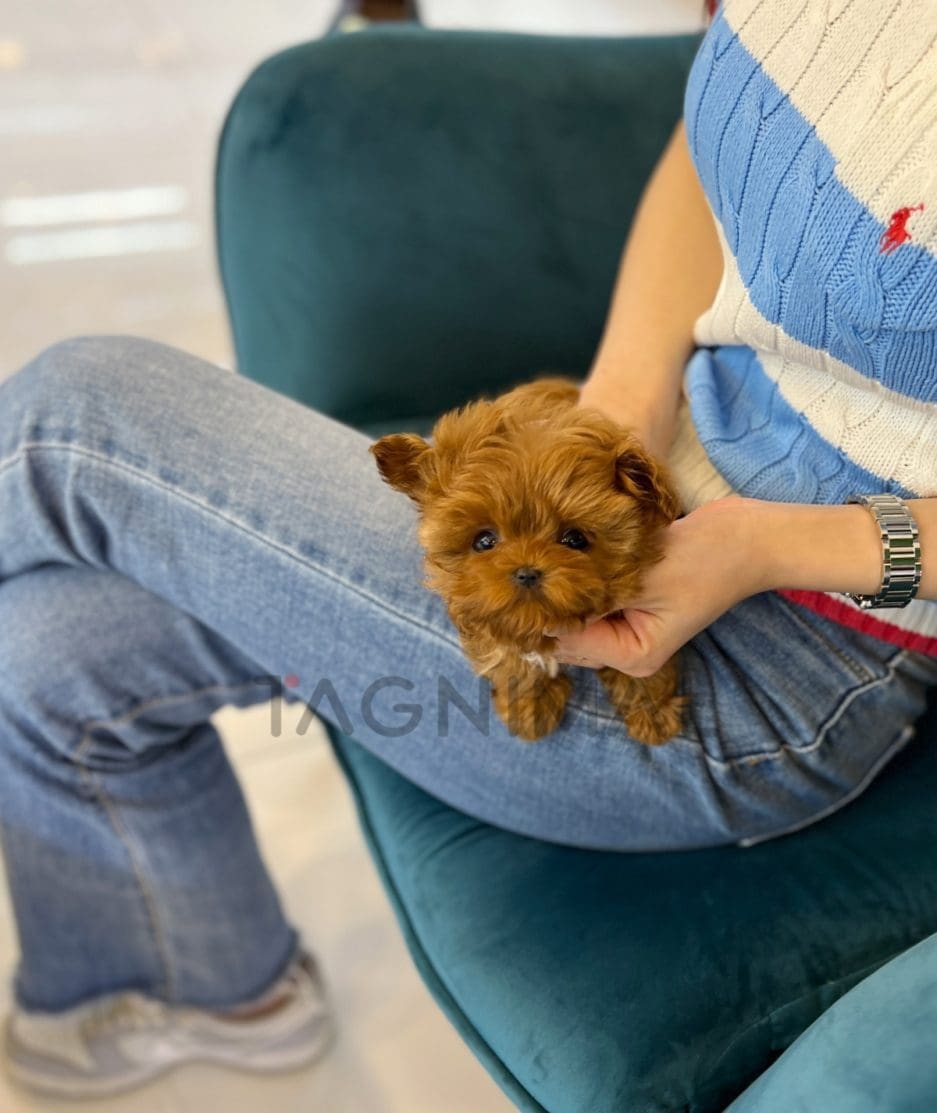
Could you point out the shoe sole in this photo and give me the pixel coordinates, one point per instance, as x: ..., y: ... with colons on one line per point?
x: 78, y: 1089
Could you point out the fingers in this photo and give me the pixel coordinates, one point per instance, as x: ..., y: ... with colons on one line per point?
x: 618, y: 643
x: 600, y: 644
x: 573, y: 644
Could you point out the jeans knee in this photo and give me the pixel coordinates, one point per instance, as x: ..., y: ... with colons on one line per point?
x: 55, y: 671
x: 37, y: 636
x: 78, y: 369
x: 83, y: 363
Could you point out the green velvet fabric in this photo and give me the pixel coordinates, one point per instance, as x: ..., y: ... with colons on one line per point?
x: 874, y: 1051
x: 407, y: 218
x: 590, y: 982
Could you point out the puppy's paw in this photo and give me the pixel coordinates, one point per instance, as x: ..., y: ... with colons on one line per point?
x: 532, y: 708
x: 655, y: 725
x: 650, y: 706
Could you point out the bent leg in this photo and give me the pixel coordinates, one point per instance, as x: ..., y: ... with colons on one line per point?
x: 268, y: 524
x: 128, y: 847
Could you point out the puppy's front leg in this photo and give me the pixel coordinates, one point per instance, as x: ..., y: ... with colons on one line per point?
x: 527, y: 699
x: 650, y: 706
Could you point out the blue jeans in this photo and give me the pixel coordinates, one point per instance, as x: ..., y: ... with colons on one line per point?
x: 174, y: 538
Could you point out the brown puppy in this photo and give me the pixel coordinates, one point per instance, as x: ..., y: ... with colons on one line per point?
x: 537, y: 514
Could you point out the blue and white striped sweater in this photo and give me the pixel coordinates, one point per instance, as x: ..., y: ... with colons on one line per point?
x: 813, y: 128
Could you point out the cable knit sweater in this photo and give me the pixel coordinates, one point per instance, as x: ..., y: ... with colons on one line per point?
x: 813, y: 128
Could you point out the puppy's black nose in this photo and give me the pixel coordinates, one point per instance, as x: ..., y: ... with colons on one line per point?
x: 527, y: 577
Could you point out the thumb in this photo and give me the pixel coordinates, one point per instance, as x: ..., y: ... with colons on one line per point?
x: 610, y: 640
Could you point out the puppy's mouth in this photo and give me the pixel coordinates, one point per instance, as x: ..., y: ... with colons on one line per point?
x: 526, y: 617
x: 531, y: 625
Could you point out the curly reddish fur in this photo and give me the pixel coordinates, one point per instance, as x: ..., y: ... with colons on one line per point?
x: 529, y: 466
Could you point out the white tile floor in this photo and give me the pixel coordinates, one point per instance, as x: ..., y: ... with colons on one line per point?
x: 119, y: 95
x: 113, y: 96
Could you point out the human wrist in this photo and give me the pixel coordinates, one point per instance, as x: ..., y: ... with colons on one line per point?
x: 640, y: 410
x: 899, y: 535
x: 815, y: 548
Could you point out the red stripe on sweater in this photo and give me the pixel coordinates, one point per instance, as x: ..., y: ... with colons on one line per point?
x: 862, y: 621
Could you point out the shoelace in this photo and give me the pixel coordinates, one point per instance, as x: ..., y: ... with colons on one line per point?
x: 126, y: 1011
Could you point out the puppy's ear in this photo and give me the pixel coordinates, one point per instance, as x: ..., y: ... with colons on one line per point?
x: 644, y: 479
x: 402, y: 460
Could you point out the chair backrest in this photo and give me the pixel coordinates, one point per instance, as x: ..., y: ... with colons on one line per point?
x: 408, y: 218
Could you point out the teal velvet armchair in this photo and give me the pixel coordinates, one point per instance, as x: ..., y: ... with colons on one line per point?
x: 407, y: 219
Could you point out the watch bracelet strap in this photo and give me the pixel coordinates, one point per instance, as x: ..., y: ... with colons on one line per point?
x: 901, y: 552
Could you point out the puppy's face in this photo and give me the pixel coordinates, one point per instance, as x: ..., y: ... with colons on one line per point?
x: 531, y: 518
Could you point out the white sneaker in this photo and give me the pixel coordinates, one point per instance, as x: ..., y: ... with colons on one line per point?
x: 116, y: 1042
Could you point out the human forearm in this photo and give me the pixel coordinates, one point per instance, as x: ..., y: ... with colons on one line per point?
x: 669, y: 273
x: 831, y: 548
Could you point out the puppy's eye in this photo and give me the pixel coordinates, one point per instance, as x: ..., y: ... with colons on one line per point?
x: 484, y: 541
x: 574, y: 539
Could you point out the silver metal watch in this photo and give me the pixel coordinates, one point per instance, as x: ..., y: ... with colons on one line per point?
x: 901, y: 552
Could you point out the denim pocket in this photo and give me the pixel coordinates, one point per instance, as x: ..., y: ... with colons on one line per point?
x: 865, y: 657
x: 770, y: 676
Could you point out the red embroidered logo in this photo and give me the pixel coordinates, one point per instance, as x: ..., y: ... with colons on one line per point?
x: 897, y: 232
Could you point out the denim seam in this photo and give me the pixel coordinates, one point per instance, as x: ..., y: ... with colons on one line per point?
x: 784, y: 750
x: 823, y: 730
x: 158, y: 701
x: 797, y: 614
x: 897, y: 745
x: 141, y: 476
x: 146, y: 892
x: 93, y: 781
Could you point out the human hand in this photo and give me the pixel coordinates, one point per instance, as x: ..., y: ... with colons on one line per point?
x: 710, y: 563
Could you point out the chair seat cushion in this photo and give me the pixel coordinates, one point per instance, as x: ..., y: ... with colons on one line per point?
x: 871, y: 1052
x: 591, y: 982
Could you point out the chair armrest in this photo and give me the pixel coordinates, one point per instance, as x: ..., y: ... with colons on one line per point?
x: 406, y: 218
